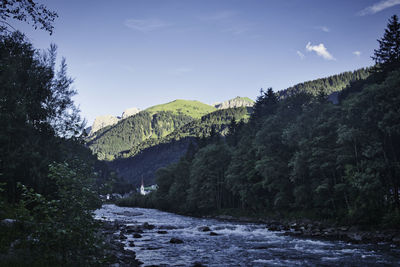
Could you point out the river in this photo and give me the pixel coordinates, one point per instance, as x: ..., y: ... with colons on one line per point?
x: 237, y: 244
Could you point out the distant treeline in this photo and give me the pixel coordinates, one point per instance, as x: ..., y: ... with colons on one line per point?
x: 329, y: 84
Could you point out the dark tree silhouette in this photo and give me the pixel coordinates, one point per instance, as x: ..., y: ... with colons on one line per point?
x: 387, y: 57
x: 28, y: 11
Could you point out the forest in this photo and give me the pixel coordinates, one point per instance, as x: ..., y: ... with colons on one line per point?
x: 301, y: 155
x: 49, y: 181
x: 143, y: 160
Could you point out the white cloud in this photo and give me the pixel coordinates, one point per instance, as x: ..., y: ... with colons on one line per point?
x: 301, y: 55
x: 323, y: 28
x: 378, y: 7
x: 180, y: 71
x: 145, y: 25
x: 320, y: 50
x: 357, y: 53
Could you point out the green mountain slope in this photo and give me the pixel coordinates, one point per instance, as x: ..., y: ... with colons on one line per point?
x: 191, y: 108
x: 127, y: 133
x: 219, y: 120
x: 144, y: 159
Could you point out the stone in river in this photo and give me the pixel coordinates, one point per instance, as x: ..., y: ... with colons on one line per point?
x: 136, y: 235
x: 204, y: 229
x: 175, y: 241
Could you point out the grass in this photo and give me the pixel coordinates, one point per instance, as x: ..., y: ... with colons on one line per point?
x: 192, y: 108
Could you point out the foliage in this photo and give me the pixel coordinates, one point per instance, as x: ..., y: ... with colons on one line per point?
x: 387, y: 57
x: 27, y: 11
x: 59, y: 229
x: 328, y: 85
x: 47, y: 175
x: 134, y: 130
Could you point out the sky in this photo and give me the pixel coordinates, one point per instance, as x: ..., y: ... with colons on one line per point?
x: 139, y: 53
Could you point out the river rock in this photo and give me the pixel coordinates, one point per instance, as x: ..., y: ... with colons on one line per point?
x: 134, y: 229
x: 7, y: 222
x: 175, y: 241
x: 213, y: 233
x: 148, y: 226
x: 355, y: 237
x: 122, y: 236
x: 136, y: 235
x: 204, y: 229
x: 198, y: 264
x: 273, y: 228
x: 396, y: 239
x: 162, y: 232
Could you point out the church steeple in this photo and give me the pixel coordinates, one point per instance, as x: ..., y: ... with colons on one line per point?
x: 142, y: 191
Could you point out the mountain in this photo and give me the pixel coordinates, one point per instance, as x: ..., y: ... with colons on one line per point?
x: 145, y: 158
x: 103, y: 121
x: 149, y: 125
x: 217, y: 120
x: 133, y: 130
x: 109, y: 120
x: 129, y: 112
x: 191, y: 108
x: 235, y: 103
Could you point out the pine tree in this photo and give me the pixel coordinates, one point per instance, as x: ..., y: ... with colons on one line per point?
x: 387, y: 57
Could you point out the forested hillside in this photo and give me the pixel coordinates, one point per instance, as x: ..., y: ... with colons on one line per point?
x: 216, y: 121
x: 328, y: 85
x: 143, y: 160
x: 301, y: 155
x: 130, y: 132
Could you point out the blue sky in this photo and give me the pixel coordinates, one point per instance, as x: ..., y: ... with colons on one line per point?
x: 140, y: 53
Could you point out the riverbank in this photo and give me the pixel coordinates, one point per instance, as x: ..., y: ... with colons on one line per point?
x: 116, y: 253
x: 305, y: 228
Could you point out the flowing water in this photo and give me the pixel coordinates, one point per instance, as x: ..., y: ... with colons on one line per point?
x: 237, y: 244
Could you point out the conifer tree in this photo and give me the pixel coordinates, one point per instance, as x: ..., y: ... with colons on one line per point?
x: 387, y: 57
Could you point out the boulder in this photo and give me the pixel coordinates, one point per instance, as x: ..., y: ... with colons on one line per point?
x: 213, y: 233
x: 7, y: 222
x: 204, y: 229
x: 136, y: 235
x: 134, y: 229
x: 198, y: 264
x: 175, y: 241
x: 148, y: 226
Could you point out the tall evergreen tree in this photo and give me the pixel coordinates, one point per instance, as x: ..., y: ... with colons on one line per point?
x: 387, y: 57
